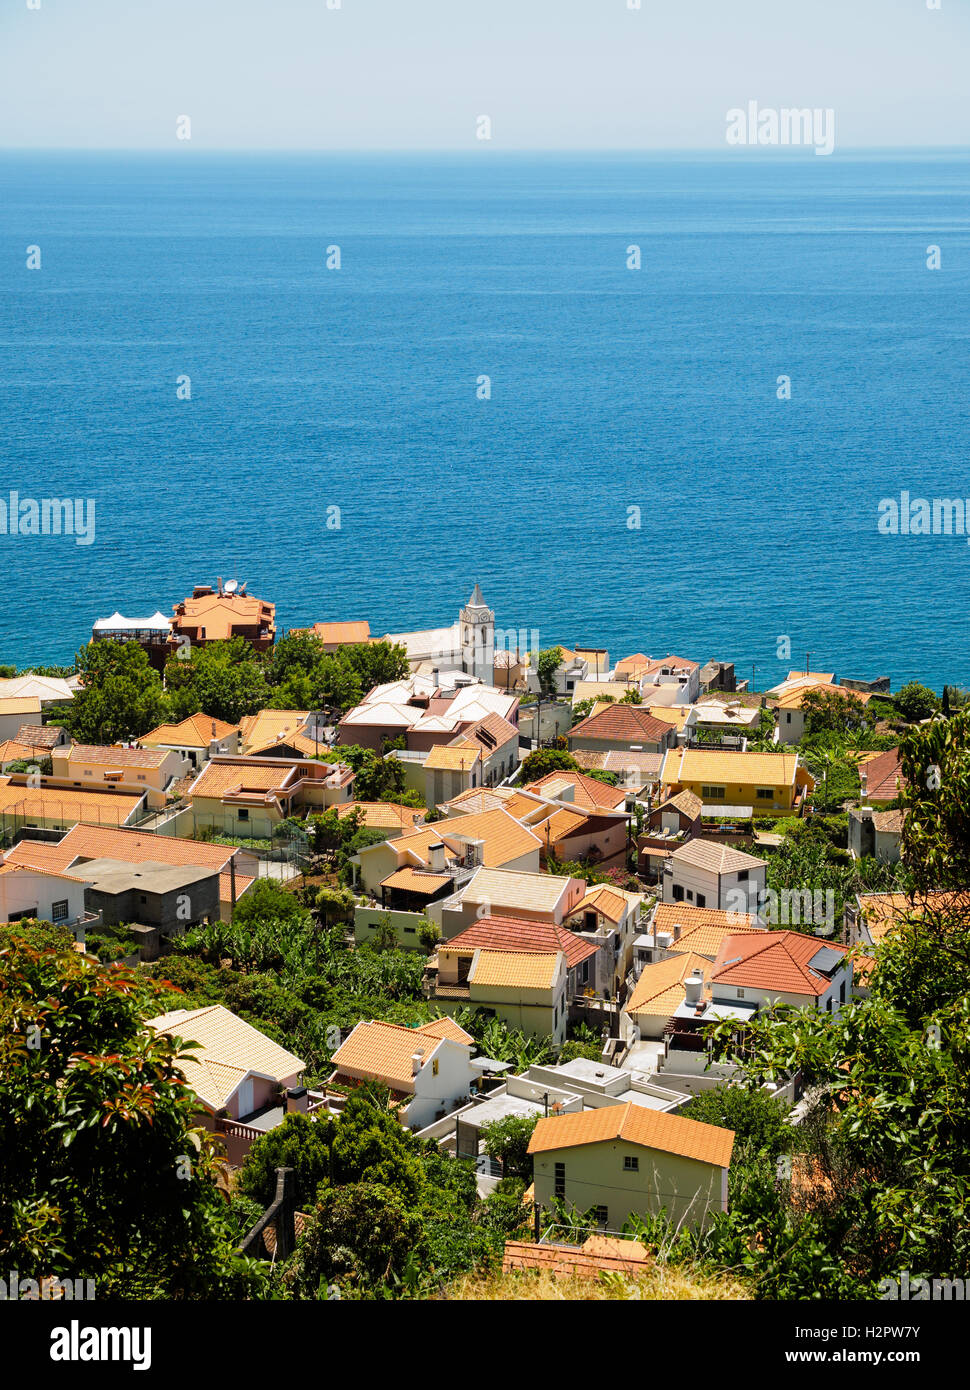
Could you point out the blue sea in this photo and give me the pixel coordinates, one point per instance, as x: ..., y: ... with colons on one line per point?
x: 611, y: 389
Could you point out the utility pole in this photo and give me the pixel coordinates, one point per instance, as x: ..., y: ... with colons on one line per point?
x: 753, y: 669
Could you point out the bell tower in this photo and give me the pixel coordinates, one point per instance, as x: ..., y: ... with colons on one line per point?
x: 477, y: 633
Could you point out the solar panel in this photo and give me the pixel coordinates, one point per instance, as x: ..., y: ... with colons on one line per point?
x: 825, y: 961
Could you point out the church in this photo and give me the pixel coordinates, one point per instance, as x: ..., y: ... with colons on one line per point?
x: 467, y: 645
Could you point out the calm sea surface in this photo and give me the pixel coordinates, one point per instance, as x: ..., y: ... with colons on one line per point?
x: 611, y: 389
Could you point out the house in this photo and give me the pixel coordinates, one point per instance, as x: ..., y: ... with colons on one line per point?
x: 739, y: 784
x: 282, y: 733
x: 240, y: 795
x: 528, y: 990
x: 241, y: 1077
x: 336, y: 635
x: 876, y: 834
x: 671, y: 680
x: 872, y: 916
x: 162, y: 900
x: 451, y: 849
x: 55, y: 805
x: 534, y: 897
x: 610, y: 916
x: 727, y: 718
x: 384, y: 815
x: 33, y: 743
x: 661, y: 990
x: 788, y: 699
x: 428, y: 1070
x: 49, y: 895
x: 782, y: 967
x: 675, y: 929
x: 625, y: 1159
x: 427, y: 710
x: 666, y: 827
x: 237, y: 868
x: 571, y: 834
x: 195, y: 739
x: 54, y: 692
x: 217, y: 615
x: 585, y: 793
x: 881, y: 776
x: 708, y: 873
x: 622, y: 727
x: 16, y: 711
x: 459, y: 979
x: 147, y: 772
x: 718, y: 675
x: 637, y: 773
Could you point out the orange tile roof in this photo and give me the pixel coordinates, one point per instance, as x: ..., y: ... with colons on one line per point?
x: 702, y: 929
x: 460, y: 757
x: 717, y: 857
x: 503, y: 838
x: 242, y: 775
x: 773, y: 960
x: 384, y: 1050
x: 883, y: 911
x: 884, y: 776
x: 622, y: 723
x: 261, y: 729
x: 222, y: 614
x: 500, y: 730
x: 197, y: 731
x: 652, y: 1129
x: 383, y: 815
x: 416, y: 881
x: 519, y: 934
x: 133, y: 846
x: 445, y: 1028
x: 113, y: 755
x: 64, y: 803
x: 605, y: 900
x: 339, y: 634
x: 515, y: 969
x: 660, y: 988
x: 230, y: 1049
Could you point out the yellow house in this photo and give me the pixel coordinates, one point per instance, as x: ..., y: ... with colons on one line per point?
x: 623, y: 1159
x: 525, y: 989
x: 148, y: 771
x: 738, y: 784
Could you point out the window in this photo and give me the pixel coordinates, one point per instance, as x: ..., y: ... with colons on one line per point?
x: 243, y: 813
x: 765, y: 793
x: 141, y: 776
x: 788, y: 716
x: 434, y: 1066
x: 701, y: 900
x: 59, y: 911
x: 559, y: 1185
x: 678, y: 893
x: 743, y: 876
x: 740, y: 993
x: 631, y: 1164
x: 842, y: 993
x: 602, y: 1216
x: 409, y: 931
x: 713, y: 793
x: 690, y: 895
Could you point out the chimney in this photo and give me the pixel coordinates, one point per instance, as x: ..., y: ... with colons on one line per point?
x: 297, y: 1100
x: 436, y: 858
x: 693, y: 986
x: 416, y: 1059
x: 677, y: 931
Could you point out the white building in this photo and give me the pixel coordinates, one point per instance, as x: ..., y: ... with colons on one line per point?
x: 428, y: 1069
x: 704, y: 874
x: 467, y: 645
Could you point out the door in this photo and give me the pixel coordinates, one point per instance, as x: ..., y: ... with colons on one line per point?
x: 245, y: 1098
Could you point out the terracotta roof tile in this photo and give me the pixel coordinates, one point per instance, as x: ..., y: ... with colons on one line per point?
x: 652, y: 1129
x: 622, y: 724
x: 773, y: 960
x: 518, y: 934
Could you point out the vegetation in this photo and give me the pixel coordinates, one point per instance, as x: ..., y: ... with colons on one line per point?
x: 543, y: 760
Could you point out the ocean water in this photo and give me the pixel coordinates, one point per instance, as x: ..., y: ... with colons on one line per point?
x: 611, y: 389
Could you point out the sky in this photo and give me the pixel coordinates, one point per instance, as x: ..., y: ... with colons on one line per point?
x: 417, y: 74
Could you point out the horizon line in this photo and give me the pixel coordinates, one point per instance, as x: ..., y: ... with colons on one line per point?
x: 730, y: 151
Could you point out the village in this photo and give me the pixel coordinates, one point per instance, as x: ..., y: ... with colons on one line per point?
x: 597, y: 878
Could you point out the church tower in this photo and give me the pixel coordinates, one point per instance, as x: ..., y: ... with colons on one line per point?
x: 477, y: 630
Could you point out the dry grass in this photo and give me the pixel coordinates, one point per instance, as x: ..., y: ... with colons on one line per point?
x: 661, y: 1283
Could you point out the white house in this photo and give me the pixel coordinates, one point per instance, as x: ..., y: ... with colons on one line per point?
x: 708, y: 874
x: 782, y: 967
x: 428, y: 1069
x: 44, y: 894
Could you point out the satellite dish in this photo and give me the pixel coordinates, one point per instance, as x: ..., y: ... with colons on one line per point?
x: 230, y: 586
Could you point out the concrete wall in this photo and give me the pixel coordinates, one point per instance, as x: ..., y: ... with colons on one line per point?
x: 407, y: 925
x: 22, y: 891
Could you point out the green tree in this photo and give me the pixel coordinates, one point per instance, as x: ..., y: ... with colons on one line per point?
x: 300, y: 1143
x: 507, y: 1142
x: 363, y: 1233
x: 547, y: 664
x: 222, y: 679
x: 915, y: 702
x: 935, y: 765
x: 120, y: 695
x: 543, y: 760
x: 102, y: 1166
